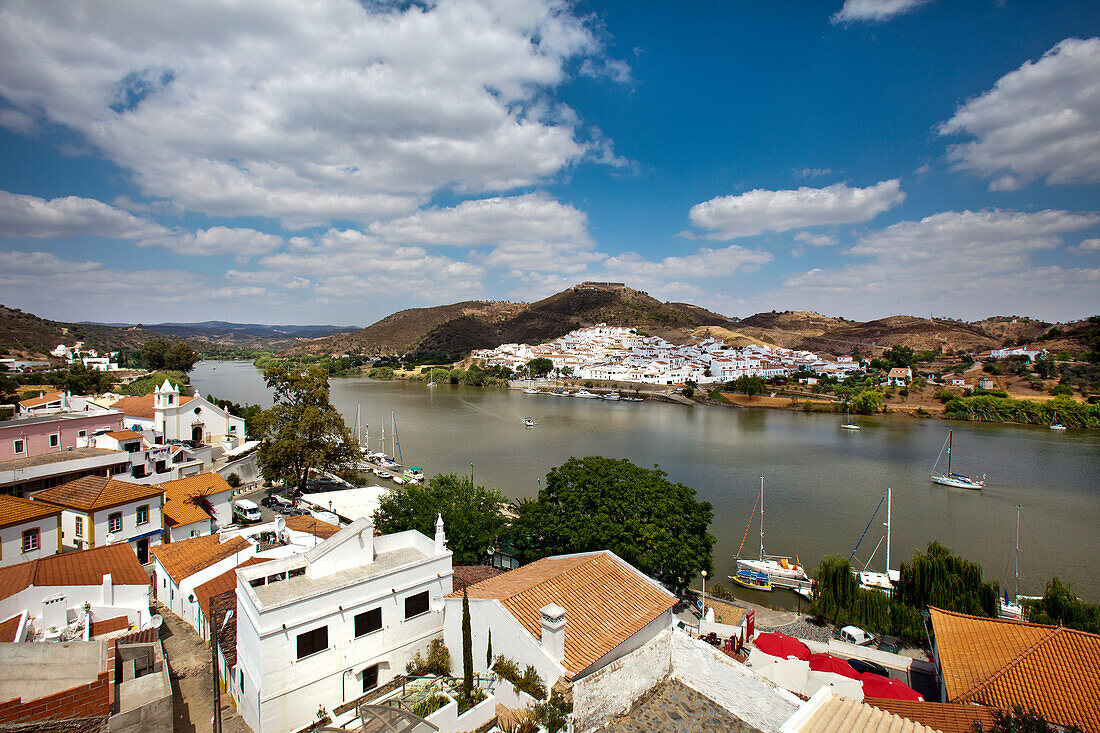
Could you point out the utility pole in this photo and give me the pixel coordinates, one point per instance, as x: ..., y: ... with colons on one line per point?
x: 216, y: 721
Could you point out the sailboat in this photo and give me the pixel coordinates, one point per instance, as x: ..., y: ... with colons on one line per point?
x: 1013, y: 609
x: 848, y: 424
x: 1054, y: 424
x: 881, y: 581
x: 431, y: 382
x: 768, y: 565
x: 958, y: 480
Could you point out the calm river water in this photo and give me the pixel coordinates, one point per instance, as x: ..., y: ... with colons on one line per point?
x: 821, y: 483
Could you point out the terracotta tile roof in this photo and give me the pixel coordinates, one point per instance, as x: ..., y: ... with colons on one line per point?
x: 123, y: 434
x: 943, y: 716
x: 225, y: 582
x: 312, y: 525
x: 839, y: 713
x: 227, y: 637
x: 8, y: 629
x: 145, y: 636
x: 136, y: 406
x: 1051, y: 669
x: 14, y: 510
x: 179, y: 507
x: 110, y: 625
x: 86, y: 567
x: 471, y: 574
x: 97, y: 492
x: 43, y: 400
x: 179, y: 513
x: 185, y: 558
x: 606, y: 601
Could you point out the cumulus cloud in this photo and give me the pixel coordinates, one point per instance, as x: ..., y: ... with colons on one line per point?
x: 761, y: 210
x: 1039, y: 121
x: 973, y: 264
x: 704, y: 263
x: 318, y: 111
x: 857, y: 11
x: 816, y: 240
x: 1086, y: 247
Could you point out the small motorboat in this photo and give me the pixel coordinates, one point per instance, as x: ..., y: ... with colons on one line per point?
x: 752, y: 579
x: 611, y: 397
x: 531, y: 390
x: 528, y: 422
x: 584, y: 394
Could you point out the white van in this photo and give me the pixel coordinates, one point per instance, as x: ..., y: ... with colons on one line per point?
x: 246, y: 511
x: 855, y: 635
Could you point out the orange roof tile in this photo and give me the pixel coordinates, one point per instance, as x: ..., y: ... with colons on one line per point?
x: 1051, y: 669
x: 96, y: 492
x: 43, y: 400
x: 312, y: 525
x: 86, y: 567
x: 179, y: 513
x: 8, y: 629
x: 180, y: 507
x: 14, y: 510
x: 123, y: 434
x: 606, y: 601
x: 186, y: 557
x: 227, y: 581
x: 136, y: 406
x: 943, y: 716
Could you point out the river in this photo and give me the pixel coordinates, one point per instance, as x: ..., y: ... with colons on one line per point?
x: 821, y: 483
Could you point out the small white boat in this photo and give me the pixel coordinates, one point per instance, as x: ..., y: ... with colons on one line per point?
x: 948, y: 478
x: 584, y: 394
x: 848, y: 424
x: 431, y: 384
x: 1054, y: 424
x: 559, y: 393
x: 871, y: 580
x: 611, y: 397
x: 379, y: 472
x: 1013, y: 609
x: 530, y: 390
x: 528, y: 422
x: 632, y: 399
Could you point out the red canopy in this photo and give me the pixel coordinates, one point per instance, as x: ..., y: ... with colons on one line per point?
x: 782, y: 646
x: 875, y: 685
x: 829, y: 663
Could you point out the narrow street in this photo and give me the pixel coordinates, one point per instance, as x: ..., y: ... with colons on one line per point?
x: 192, y: 695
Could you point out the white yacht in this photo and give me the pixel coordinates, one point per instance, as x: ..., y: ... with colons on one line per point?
x: 872, y: 580
x: 958, y: 480
x: 584, y: 394
x: 771, y: 565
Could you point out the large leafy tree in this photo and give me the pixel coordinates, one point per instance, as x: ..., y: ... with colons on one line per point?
x: 471, y: 514
x: 302, y: 431
x: 599, y: 503
x: 540, y: 367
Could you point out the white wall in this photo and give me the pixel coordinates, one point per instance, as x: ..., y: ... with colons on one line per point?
x: 187, y: 531
x: 11, y: 541
x: 130, y: 527
x: 131, y: 601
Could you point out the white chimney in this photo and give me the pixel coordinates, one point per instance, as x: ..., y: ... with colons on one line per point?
x: 553, y: 630
x: 440, y: 537
x: 108, y: 591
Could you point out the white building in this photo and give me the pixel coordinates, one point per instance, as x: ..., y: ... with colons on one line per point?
x: 97, y: 510
x: 321, y: 628
x: 172, y: 416
x: 567, y: 616
x: 149, y: 463
x: 29, y: 530
x: 196, y: 505
x: 1031, y: 354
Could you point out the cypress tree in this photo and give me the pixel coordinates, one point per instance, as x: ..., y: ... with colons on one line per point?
x: 467, y: 648
x: 489, y: 652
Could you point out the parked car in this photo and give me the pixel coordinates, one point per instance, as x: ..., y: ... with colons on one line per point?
x: 862, y: 665
x: 891, y: 644
x: 269, y: 501
x: 855, y: 635
x: 246, y: 511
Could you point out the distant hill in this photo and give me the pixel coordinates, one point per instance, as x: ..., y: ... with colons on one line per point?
x: 25, y: 334
x: 460, y: 327
x: 256, y: 335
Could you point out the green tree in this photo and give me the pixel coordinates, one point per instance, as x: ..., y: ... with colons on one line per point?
x: 748, y: 385
x: 471, y: 514
x: 1060, y: 605
x: 867, y: 402
x: 302, y: 431
x: 539, y: 367
x: 180, y: 357
x: 1020, y: 721
x: 79, y: 379
x: 599, y: 503
x: 152, y: 354
x: 899, y: 356
x: 467, y: 647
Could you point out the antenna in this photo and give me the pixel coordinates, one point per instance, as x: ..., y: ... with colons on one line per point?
x: 280, y: 524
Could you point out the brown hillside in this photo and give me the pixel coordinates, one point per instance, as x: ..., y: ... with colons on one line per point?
x: 25, y: 334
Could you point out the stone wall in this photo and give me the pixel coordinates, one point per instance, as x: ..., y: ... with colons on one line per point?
x: 612, y: 690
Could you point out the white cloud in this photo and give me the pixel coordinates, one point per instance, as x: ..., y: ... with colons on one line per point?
x: 812, y: 172
x: 703, y: 263
x: 31, y: 217
x: 816, y: 240
x: 1039, y: 121
x: 307, y: 112
x: 854, y: 11
x: 762, y: 210
x: 1086, y: 247
x: 17, y: 121
x: 969, y: 264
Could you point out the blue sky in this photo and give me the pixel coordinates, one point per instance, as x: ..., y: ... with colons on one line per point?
x: 334, y: 162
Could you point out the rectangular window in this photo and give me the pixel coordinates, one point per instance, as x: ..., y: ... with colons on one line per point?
x: 79, y: 526
x: 312, y: 642
x: 114, y: 522
x: 19, y: 446
x: 82, y: 433
x: 370, y: 678
x: 242, y: 681
x: 367, y: 622
x: 30, y: 540
x: 55, y: 440
x: 143, y: 514
x: 416, y: 605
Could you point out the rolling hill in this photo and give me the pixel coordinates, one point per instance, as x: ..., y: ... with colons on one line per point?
x: 27, y: 335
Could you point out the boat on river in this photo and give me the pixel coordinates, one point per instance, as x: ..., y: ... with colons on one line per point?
x: 611, y: 397
x: 1054, y: 424
x: 584, y: 394
x: 531, y: 390
x: 752, y: 579
x: 848, y: 424
x: 773, y: 566
x: 948, y: 478
x: 869, y: 579
x: 528, y: 422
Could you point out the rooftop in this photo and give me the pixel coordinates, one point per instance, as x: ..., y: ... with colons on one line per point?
x: 75, y: 454
x: 673, y: 707
x: 86, y: 567
x: 96, y: 492
x: 23, y: 420
x: 45, y: 399
x: 180, y: 505
x: 227, y: 635
x: 185, y: 558
x: 227, y: 581
x: 14, y: 510
x: 606, y: 601
x: 827, y: 712
x: 142, y: 407
x: 311, y: 525
x: 31, y: 671
x: 945, y: 717
x: 124, y: 435
x: 1051, y: 669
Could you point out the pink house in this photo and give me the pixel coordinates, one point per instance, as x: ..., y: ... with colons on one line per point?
x: 26, y: 437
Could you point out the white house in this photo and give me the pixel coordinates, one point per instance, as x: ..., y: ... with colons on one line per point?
x: 149, y: 463
x: 320, y: 628
x: 567, y: 616
x: 196, y: 505
x: 97, y: 510
x: 1031, y: 354
x: 173, y: 416
x: 29, y: 530
x: 899, y: 376
x: 70, y: 592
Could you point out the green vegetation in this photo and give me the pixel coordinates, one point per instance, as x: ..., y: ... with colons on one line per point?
x: 382, y: 372
x: 150, y: 382
x: 78, y: 379
x: 1060, y: 605
x: 750, y: 386
x: 437, y: 661
x: 1020, y: 721
x: 985, y: 408
x: 467, y: 648
x: 334, y: 366
x: 553, y: 714
x: 159, y: 354
x: 539, y: 367
x: 596, y: 503
x: 529, y: 681
x: 302, y: 431
x: 471, y: 514
x: 250, y: 413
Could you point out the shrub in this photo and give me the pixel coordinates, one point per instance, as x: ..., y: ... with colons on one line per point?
x: 465, y: 702
x: 429, y: 705
x: 552, y: 714
x: 529, y: 681
x: 1061, y: 389
x: 438, y: 661
x: 233, y: 480
x: 944, y: 395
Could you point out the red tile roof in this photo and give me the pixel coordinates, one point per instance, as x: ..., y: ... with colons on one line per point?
x: 312, y: 525
x: 185, y: 558
x: 86, y: 567
x: 91, y: 493
x: 942, y: 716
x: 8, y: 629
x: 180, y: 505
x: 14, y: 510
x: 225, y: 582
x: 1051, y: 669
x: 136, y: 406
x: 606, y: 601
x: 470, y: 574
x: 123, y: 434
x: 43, y: 400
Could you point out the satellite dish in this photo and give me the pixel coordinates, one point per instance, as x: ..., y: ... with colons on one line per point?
x: 110, y: 537
x: 280, y: 524
x: 437, y: 604
x: 156, y: 621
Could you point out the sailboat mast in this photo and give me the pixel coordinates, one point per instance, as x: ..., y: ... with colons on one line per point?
x: 761, y: 517
x: 1017, y: 592
x: 394, y: 419
x: 358, y: 432
x: 950, y: 436
x: 889, y: 499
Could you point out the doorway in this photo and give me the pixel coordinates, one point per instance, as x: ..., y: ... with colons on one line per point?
x: 196, y: 433
x: 143, y: 550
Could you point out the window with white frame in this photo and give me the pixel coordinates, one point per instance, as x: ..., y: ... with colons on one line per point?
x: 78, y: 526
x: 55, y: 440
x: 30, y: 540
x: 19, y: 446
x: 114, y: 522
x: 143, y: 514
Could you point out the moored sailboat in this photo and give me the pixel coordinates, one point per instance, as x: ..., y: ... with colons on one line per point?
x: 948, y: 478
x: 1054, y: 424
x: 848, y: 424
x: 870, y: 579
x: 771, y: 566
